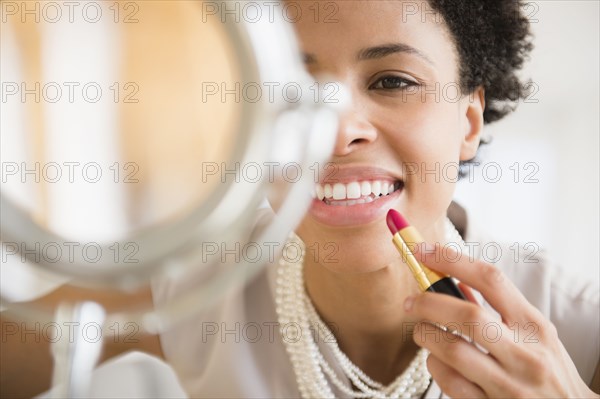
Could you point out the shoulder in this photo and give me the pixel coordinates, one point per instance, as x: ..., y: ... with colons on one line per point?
x: 530, y: 267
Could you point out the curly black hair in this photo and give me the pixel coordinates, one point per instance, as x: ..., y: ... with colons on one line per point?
x: 493, y: 40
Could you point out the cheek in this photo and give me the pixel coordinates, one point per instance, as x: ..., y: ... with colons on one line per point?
x: 420, y: 131
x: 425, y: 138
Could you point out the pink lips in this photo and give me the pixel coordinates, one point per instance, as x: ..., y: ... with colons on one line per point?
x: 357, y: 214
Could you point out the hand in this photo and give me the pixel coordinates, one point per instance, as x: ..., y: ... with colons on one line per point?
x: 524, y: 358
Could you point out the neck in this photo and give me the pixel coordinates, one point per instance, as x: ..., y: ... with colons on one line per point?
x: 366, y: 314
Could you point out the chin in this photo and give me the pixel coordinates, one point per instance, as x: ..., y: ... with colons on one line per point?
x: 359, y: 249
x: 363, y: 247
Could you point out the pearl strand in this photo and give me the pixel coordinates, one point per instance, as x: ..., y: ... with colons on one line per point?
x: 294, y: 308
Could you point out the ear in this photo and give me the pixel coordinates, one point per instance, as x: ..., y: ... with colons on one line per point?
x: 472, y: 115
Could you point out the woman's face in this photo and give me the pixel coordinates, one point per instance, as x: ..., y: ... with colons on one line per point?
x: 407, y: 126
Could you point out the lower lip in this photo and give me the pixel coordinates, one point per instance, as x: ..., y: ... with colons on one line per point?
x: 353, y: 215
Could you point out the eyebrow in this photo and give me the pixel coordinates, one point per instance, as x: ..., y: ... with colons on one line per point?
x: 376, y: 52
x: 384, y: 50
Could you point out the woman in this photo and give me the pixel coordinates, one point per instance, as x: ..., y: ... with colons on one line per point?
x: 394, y: 57
x: 360, y: 324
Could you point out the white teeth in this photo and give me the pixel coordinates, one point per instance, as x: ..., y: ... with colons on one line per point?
x: 353, y: 190
x: 365, y: 188
x: 385, y: 188
x: 376, y: 188
x: 339, y: 191
x: 328, y: 191
x: 320, y: 192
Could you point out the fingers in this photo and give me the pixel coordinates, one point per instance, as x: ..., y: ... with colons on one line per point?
x: 468, y: 293
x: 518, y: 355
x: 465, y: 359
x: 452, y: 383
x: 461, y: 318
x: 490, y: 281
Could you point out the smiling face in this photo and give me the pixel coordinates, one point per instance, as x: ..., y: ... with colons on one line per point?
x: 403, y: 134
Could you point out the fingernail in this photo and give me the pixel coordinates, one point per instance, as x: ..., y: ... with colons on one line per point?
x: 408, y: 303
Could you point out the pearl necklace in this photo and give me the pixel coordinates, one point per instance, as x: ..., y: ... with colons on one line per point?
x: 297, y: 321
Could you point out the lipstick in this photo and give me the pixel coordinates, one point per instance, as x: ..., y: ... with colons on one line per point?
x: 427, y: 279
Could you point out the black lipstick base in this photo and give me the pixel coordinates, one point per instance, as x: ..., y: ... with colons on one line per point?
x: 448, y: 287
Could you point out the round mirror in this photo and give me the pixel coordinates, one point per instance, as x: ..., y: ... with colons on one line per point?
x: 140, y: 137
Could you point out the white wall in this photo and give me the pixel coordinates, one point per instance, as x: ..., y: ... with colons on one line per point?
x: 560, y: 135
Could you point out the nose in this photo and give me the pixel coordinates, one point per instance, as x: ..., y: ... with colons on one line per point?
x: 354, y: 132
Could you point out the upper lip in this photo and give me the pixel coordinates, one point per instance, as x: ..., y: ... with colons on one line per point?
x: 348, y: 174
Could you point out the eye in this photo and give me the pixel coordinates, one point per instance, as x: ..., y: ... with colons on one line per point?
x: 392, y: 82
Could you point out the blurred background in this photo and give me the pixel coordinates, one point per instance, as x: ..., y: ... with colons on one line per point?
x: 548, y: 150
